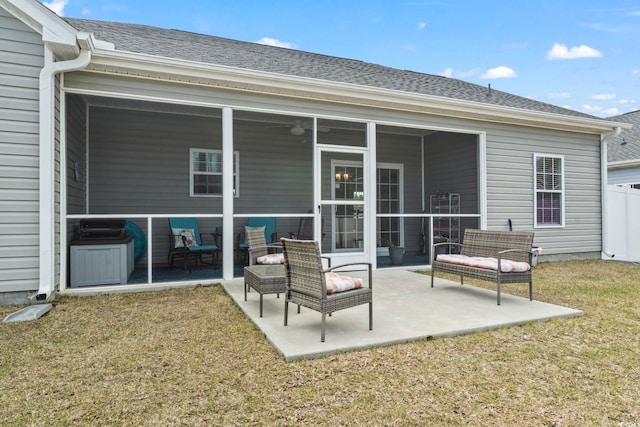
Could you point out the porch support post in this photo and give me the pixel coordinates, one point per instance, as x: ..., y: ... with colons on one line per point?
x: 227, y: 193
x: 371, y: 202
x: 482, y: 179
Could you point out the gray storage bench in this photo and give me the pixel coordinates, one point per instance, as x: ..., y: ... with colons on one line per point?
x: 503, y: 245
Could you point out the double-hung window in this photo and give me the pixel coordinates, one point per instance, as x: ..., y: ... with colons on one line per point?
x: 549, y: 190
x: 205, y: 171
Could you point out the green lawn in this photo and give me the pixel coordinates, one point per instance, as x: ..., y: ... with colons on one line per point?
x: 190, y: 357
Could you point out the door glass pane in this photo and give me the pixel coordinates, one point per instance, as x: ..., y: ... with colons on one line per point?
x: 388, y: 193
x: 349, y: 227
x: 348, y: 219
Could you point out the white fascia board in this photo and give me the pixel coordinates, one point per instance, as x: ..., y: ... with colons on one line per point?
x: 244, y: 79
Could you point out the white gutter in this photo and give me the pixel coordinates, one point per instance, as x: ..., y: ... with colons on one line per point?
x: 604, y: 138
x: 624, y: 164
x: 47, y: 162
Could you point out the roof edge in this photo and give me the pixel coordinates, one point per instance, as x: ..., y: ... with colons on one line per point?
x: 372, y: 95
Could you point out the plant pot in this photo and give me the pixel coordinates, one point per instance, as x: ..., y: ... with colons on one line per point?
x: 396, y: 255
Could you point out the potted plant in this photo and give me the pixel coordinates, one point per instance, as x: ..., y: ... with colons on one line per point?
x: 396, y: 253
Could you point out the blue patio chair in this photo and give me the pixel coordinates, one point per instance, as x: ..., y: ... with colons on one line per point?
x: 186, y: 243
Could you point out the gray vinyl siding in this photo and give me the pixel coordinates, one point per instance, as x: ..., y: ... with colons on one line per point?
x: 510, y: 186
x: 509, y: 152
x: 76, y: 110
x: 21, y: 59
x: 624, y: 176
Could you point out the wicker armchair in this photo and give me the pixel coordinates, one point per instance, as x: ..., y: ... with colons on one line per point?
x: 306, y: 283
x: 257, y: 245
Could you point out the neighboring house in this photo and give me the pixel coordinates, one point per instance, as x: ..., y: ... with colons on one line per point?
x: 109, y: 120
x: 623, y: 152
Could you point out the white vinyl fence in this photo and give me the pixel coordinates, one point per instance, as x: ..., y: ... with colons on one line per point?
x: 623, y: 211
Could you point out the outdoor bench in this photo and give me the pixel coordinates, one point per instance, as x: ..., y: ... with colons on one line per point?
x: 495, y: 256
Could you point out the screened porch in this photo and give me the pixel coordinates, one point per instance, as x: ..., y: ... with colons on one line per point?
x: 147, y: 162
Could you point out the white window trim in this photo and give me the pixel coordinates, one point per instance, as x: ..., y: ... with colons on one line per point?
x: 561, y: 192
x: 236, y: 175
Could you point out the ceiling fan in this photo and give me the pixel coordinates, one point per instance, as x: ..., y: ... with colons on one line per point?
x: 298, y: 127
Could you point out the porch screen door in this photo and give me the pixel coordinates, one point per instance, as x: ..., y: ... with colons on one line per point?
x: 342, y: 205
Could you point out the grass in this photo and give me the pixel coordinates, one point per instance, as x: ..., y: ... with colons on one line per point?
x: 190, y: 357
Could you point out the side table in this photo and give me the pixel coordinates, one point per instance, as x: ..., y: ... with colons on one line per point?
x: 265, y: 279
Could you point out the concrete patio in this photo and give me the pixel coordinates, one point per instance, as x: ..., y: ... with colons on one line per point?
x: 405, y: 309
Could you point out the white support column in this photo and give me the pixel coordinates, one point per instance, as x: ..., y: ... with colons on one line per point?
x: 227, y: 193
x: 482, y: 179
x: 371, y: 200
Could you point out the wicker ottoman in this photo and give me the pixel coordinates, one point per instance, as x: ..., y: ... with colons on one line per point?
x: 265, y: 279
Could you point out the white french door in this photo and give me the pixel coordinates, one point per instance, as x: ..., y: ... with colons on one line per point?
x: 342, y: 180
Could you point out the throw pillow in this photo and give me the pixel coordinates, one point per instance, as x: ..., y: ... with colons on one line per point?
x: 188, y: 233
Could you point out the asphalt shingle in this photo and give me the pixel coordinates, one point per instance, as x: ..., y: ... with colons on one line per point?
x: 207, y: 49
x: 617, y: 151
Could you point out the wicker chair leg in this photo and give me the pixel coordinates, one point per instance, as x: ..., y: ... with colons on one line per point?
x: 432, y: 277
x: 324, y: 319
x: 462, y: 280
x: 498, y: 291
x: 371, y: 316
x: 261, y: 304
x: 531, y: 291
x: 286, y: 311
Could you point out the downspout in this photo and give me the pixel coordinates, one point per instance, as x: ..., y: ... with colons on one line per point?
x: 47, y: 166
x: 604, y: 138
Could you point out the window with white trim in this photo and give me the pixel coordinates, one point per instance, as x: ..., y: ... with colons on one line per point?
x: 549, y: 190
x: 205, y: 170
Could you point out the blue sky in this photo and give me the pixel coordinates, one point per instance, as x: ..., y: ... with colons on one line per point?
x: 579, y: 54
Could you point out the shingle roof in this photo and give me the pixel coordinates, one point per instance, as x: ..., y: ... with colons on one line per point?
x: 630, y: 150
x: 202, y: 48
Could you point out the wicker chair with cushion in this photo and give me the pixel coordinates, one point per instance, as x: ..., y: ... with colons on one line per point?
x: 259, y: 251
x: 268, y: 227
x: 322, y: 290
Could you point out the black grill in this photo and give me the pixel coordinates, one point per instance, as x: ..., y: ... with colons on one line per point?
x: 102, y: 229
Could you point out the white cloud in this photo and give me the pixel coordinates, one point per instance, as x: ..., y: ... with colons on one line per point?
x: 274, y: 42
x: 604, y: 96
x: 634, y: 13
x: 422, y: 26
x: 613, y: 111
x: 500, y: 72
x: 559, y: 95
x: 636, y: 72
x: 591, y: 108
x: 56, y: 5
x: 409, y: 47
x: 86, y: 12
x: 450, y: 72
x: 560, y: 51
x: 626, y: 102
